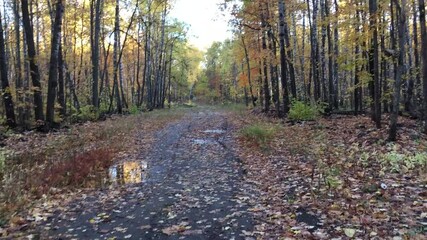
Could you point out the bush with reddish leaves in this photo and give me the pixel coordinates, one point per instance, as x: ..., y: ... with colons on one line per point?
x: 71, y: 172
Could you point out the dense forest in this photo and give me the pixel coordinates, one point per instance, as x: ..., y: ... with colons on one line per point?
x: 344, y: 56
x: 73, y: 60
x: 77, y: 60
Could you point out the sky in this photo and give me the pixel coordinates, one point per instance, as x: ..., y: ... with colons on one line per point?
x: 205, y: 20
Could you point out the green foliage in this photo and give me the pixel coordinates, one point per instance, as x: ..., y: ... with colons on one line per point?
x: 2, y: 160
x: 87, y: 113
x: 4, y: 154
x: 403, y: 162
x: 189, y: 104
x: 261, y: 134
x: 332, y: 177
x: 301, y: 111
x: 134, y: 109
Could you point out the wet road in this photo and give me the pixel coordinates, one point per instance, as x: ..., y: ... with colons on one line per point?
x: 192, y: 190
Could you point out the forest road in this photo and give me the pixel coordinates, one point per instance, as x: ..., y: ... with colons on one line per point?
x: 193, y: 190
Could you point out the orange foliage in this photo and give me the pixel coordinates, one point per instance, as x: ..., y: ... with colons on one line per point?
x: 243, y: 80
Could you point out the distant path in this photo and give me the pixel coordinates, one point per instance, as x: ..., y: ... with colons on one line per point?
x: 193, y: 191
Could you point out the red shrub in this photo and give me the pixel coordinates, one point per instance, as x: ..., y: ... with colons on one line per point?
x: 70, y: 172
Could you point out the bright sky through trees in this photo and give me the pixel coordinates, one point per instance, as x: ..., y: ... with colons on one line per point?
x: 207, y: 23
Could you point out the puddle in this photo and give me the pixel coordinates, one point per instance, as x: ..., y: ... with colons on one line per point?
x: 202, y: 141
x: 127, y: 173
x: 214, y: 131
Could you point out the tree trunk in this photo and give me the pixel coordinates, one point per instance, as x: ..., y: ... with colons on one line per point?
x: 273, y: 72
x: 95, y: 52
x: 170, y: 75
x: 266, y: 87
x: 322, y: 54
x: 400, y: 69
x: 116, y: 61
x: 147, y: 63
x: 416, y: 53
x: 373, y: 64
x: 283, y: 70
x: 138, y: 66
x: 332, y: 95
x: 384, y: 69
x: 6, y: 93
x: 409, y: 68
x: 120, y: 65
x: 248, y: 70
x: 288, y: 56
x: 61, y: 81
x: 53, y: 65
x: 18, y: 67
x: 336, y: 54
x: 423, y: 30
x: 159, y: 60
x: 357, y: 87
x: 34, y: 69
x: 314, y: 49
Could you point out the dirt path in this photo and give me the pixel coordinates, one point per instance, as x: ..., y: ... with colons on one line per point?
x: 193, y: 190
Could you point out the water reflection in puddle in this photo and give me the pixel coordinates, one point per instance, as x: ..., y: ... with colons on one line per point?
x: 214, y: 131
x: 127, y: 173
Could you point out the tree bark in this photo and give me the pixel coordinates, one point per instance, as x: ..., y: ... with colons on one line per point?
x: 18, y: 67
x: 34, y: 69
x: 61, y: 82
x: 248, y: 70
x: 283, y: 70
x: 373, y: 64
x: 423, y: 30
x: 53, y: 65
x: 266, y: 88
x: 95, y: 52
x: 357, y: 87
x: 332, y: 94
x: 400, y: 69
x: 6, y: 93
x: 416, y: 53
x: 288, y: 55
x: 314, y: 49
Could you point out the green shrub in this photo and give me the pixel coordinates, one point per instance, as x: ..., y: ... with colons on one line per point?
x: 260, y: 134
x: 134, y: 109
x: 4, y: 154
x: 2, y: 161
x: 87, y: 113
x: 301, y: 111
x: 402, y: 163
x: 189, y: 104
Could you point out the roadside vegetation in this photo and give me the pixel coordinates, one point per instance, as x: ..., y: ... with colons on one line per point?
x: 334, y: 177
x: 35, y: 166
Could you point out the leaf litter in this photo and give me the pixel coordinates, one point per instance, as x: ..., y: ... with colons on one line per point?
x: 332, y: 173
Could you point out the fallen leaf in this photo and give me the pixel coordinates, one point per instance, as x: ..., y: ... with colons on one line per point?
x: 349, y: 232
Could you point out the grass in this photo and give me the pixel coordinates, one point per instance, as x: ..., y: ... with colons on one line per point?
x: 258, y: 133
